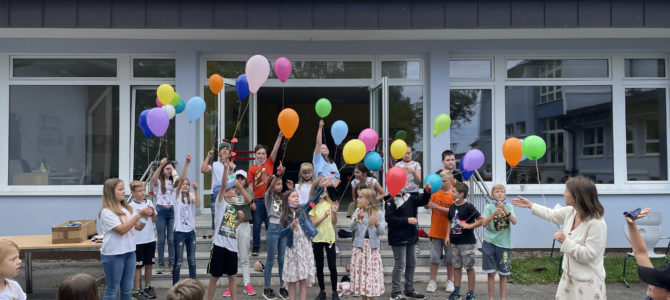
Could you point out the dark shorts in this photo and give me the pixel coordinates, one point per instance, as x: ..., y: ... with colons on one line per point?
x: 222, y: 261
x: 145, y: 254
x: 495, y: 258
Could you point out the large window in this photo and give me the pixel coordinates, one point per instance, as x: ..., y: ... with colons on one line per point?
x: 471, y: 128
x: 648, y: 153
x: 63, y: 135
x: 557, y: 68
x: 406, y: 114
x: 150, y: 149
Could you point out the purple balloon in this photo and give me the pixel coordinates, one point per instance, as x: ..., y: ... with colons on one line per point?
x: 158, y: 121
x: 143, y: 123
x: 473, y: 160
x: 466, y: 174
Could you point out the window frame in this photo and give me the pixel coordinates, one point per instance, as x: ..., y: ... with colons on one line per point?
x: 150, y: 80
x: 645, y: 56
x: 595, y: 143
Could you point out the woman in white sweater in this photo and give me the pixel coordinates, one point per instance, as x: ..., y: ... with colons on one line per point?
x: 583, y: 237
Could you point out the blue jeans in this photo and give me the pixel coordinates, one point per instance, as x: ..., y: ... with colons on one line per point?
x: 260, y: 216
x: 165, y: 226
x: 274, y: 244
x: 119, y: 274
x: 181, y: 239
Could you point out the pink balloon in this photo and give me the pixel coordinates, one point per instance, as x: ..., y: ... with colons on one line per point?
x: 158, y: 102
x: 158, y: 121
x: 257, y: 70
x: 473, y: 160
x: 369, y: 137
x: 283, y: 68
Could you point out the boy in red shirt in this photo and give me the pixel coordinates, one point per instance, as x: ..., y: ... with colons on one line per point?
x: 439, y: 203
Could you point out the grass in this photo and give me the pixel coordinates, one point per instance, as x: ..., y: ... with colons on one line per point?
x: 545, y: 270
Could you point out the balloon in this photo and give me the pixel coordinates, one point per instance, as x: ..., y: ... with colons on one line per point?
x: 373, y: 161
x: 370, y: 138
x: 175, y: 99
x: 512, y: 151
x: 180, y: 107
x: 323, y: 107
x: 257, y: 70
x: 473, y: 160
x: 158, y: 102
x: 283, y: 68
x: 143, y: 123
x: 158, y: 121
x: 354, y: 151
x: 339, y: 131
x: 195, y: 107
x: 169, y: 109
x: 466, y: 174
x: 165, y: 93
x: 242, y: 87
x: 435, y: 182
x: 523, y: 157
x: 533, y: 147
x: 441, y: 123
x: 398, y: 149
x: 215, y: 83
x: 400, y: 135
x: 396, y: 178
x: 288, y: 122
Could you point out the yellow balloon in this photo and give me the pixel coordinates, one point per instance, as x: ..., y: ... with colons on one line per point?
x: 398, y: 149
x: 165, y: 93
x: 354, y: 151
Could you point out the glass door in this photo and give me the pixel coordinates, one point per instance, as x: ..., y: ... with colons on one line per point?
x: 379, y: 121
x: 235, y: 123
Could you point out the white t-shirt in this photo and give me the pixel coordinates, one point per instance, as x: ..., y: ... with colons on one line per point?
x: 303, y: 192
x: 166, y: 198
x: 112, y: 242
x: 217, y: 172
x: 224, y: 222
x: 410, y: 185
x: 370, y: 181
x: 12, y: 291
x: 184, y: 214
x: 146, y: 235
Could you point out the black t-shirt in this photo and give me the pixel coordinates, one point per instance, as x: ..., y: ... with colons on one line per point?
x: 463, y: 213
x: 457, y: 174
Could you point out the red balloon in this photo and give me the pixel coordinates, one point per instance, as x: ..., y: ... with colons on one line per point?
x: 396, y: 178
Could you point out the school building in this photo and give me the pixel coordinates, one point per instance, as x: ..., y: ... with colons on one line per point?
x: 589, y: 76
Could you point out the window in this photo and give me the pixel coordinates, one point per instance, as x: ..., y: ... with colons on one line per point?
x: 402, y: 69
x: 470, y: 69
x: 646, y: 110
x: 554, y: 139
x: 593, y: 141
x: 521, y: 128
x: 557, y: 68
x: 64, y: 67
x: 63, y: 135
x: 630, y: 139
x: 550, y: 94
x: 145, y: 149
x: 302, y: 69
x: 645, y: 67
x: 471, y: 124
x: 154, y: 68
x: 406, y: 113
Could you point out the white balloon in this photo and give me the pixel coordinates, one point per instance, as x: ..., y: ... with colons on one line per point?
x: 169, y: 109
x: 257, y: 70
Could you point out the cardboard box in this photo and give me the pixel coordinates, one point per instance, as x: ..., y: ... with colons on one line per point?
x: 31, y: 179
x: 62, y: 233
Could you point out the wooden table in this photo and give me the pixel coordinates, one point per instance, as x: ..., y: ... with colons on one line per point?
x: 42, y: 243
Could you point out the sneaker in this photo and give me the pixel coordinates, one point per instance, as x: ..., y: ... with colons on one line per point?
x: 470, y: 296
x: 283, y: 293
x: 415, y: 295
x: 249, y: 290
x: 450, y: 286
x: 254, y: 252
x: 397, y: 296
x: 335, y: 296
x: 149, y: 292
x: 269, y: 294
x: 432, y: 287
x: 454, y: 296
x: 321, y: 296
x: 337, y: 250
x: 160, y: 270
x: 138, y: 295
x: 226, y: 294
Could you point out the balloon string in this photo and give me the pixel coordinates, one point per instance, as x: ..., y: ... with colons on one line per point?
x: 347, y: 187
x: 537, y: 171
x: 509, y: 174
x: 239, y: 120
x: 284, y: 146
x: 282, y: 97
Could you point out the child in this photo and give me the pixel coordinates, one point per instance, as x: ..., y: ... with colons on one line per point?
x: 78, y: 286
x: 439, y: 203
x: 223, y: 257
x: 187, y: 289
x: 216, y: 169
x: 497, y: 245
x: 299, y: 230
x: 117, y: 219
x: 449, y: 164
x: 9, y: 268
x: 463, y: 219
x: 184, y: 222
x: 403, y: 235
x: 413, y: 170
x: 324, y: 166
x: 163, y: 186
x: 145, y: 244
x: 275, y: 243
x: 305, y: 179
x: 324, y: 217
x: 367, y: 271
x: 364, y: 176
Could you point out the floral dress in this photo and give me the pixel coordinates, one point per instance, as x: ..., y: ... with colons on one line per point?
x: 299, y: 260
x: 367, y: 271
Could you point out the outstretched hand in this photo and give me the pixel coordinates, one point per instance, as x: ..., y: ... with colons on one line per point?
x: 641, y: 215
x: 520, y: 201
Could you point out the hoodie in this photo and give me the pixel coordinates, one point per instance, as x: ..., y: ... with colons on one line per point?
x: 398, y: 210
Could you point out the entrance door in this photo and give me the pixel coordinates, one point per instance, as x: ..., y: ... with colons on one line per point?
x: 235, y: 122
x: 379, y: 121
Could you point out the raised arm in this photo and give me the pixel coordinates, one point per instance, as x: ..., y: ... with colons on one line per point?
x: 556, y: 216
x: 275, y: 148
x: 227, y: 167
x: 183, y: 173
x: 154, y: 177
x: 636, y: 241
x: 319, y: 137
x: 197, y: 195
x: 206, y: 168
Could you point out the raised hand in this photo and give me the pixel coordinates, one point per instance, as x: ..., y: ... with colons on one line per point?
x: 210, y: 153
x: 641, y: 215
x: 321, y: 123
x: 195, y: 186
x: 163, y: 161
x: 188, y: 158
x: 522, y: 202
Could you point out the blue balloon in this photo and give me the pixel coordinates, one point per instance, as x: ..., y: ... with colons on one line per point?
x: 180, y: 107
x: 143, y: 123
x: 523, y: 157
x: 242, y: 86
x: 195, y: 108
x: 466, y: 174
x: 435, y: 182
x: 339, y: 131
x: 373, y: 161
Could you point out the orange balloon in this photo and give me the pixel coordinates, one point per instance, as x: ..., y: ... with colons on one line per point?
x: 215, y: 83
x: 512, y: 151
x: 288, y: 122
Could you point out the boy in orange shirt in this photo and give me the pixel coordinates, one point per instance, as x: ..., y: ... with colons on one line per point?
x: 439, y: 203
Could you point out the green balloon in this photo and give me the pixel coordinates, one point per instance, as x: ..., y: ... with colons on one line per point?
x: 323, y: 107
x: 533, y: 147
x: 175, y: 99
x: 401, y: 135
x: 441, y: 123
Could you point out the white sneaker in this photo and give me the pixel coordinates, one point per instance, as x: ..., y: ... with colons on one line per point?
x: 418, y: 251
x: 432, y: 287
x: 450, y: 286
